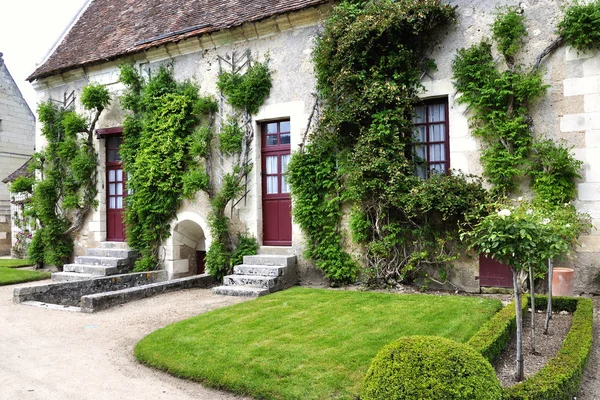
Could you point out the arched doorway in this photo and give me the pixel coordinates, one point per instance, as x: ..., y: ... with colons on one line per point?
x: 187, y: 246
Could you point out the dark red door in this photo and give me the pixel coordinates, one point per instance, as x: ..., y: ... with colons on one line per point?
x: 115, y: 190
x: 493, y: 273
x: 276, y: 201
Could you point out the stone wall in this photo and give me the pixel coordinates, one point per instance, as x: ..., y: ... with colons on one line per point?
x: 570, y: 111
x: 17, y: 138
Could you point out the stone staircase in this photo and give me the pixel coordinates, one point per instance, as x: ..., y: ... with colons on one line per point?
x: 111, y: 258
x: 260, y: 275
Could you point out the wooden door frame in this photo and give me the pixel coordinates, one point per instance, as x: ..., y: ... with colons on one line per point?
x: 273, y: 150
x: 106, y: 134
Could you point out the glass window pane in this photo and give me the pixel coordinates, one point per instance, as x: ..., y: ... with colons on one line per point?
x: 438, y: 132
x: 437, y: 168
x: 421, y: 172
x: 284, y: 126
x: 112, y: 202
x: 117, y: 155
x: 111, y: 176
x: 272, y: 185
x: 437, y: 112
x: 285, y: 160
x: 119, y: 175
x: 111, y: 189
x: 112, y: 155
x: 119, y: 189
x: 421, y: 152
x: 285, y: 138
x: 119, y: 202
x: 272, y: 140
x: 437, y: 152
x: 285, y: 187
x: 271, y: 164
x: 421, y: 133
x: 272, y: 127
x: 419, y: 115
x: 111, y: 142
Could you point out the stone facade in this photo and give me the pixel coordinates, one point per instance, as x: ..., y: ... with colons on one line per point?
x: 17, y: 138
x: 570, y: 111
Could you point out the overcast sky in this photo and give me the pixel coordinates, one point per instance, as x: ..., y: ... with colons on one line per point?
x: 28, y: 29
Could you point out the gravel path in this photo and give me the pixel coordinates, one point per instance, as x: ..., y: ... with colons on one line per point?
x: 52, y: 354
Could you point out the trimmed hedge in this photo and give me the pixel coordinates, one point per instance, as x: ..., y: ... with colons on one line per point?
x: 430, y: 368
x: 495, y: 334
x: 561, y: 377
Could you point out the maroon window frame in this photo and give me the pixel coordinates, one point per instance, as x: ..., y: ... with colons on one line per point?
x: 432, y: 132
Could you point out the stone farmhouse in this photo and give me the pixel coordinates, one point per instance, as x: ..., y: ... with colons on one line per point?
x: 192, y: 35
x: 17, y: 139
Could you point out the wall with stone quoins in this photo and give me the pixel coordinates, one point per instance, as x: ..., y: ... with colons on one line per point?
x: 17, y: 139
x: 569, y: 111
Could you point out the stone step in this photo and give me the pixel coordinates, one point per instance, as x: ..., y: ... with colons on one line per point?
x: 251, y: 280
x: 96, y: 270
x: 261, y: 270
x: 111, y: 252
x: 107, y: 261
x: 276, y: 250
x: 245, y: 291
x: 266, y: 259
x: 70, y: 276
x: 114, y: 245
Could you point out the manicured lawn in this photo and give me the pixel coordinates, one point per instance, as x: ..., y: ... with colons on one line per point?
x: 305, y: 343
x: 9, y: 276
x: 14, y: 263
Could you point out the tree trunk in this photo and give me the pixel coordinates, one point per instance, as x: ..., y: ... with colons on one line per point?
x: 532, y: 300
x: 516, y: 287
x: 549, y: 308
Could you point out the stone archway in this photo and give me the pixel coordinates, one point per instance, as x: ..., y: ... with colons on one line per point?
x: 185, y: 249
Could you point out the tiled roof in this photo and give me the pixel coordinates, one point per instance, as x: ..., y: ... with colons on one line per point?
x: 23, y: 170
x: 111, y: 28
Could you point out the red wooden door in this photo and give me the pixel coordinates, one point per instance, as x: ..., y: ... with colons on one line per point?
x: 115, y: 190
x: 276, y: 201
x: 493, y: 273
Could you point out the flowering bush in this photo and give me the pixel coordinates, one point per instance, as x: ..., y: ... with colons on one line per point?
x: 520, y: 234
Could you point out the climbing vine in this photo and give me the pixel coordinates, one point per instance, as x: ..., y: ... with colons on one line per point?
x: 245, y: 93
x: 65, y: 189
x: 168, y: 152
x: 159, y: 134
x: 369, y: 62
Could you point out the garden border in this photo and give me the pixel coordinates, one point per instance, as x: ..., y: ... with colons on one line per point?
x: 561, y: 377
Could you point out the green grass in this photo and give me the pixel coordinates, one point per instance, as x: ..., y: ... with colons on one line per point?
x: 305, y: 343
x: 9, y: 276
x: 14, y: 263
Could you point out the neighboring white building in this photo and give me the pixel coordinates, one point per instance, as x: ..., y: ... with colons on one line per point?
x: 192, y: 38
x: 17, y: 141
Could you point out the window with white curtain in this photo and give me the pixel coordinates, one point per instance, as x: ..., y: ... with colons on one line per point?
x: 431, y: 147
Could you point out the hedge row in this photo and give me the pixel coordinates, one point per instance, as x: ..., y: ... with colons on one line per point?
x: 561, y: 377
x: 495, y: 334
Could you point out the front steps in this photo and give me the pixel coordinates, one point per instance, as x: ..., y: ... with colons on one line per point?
x: 260, y: 275
x: 111, y: 258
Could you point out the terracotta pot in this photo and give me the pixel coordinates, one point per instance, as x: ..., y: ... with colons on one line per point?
x: 563, y: 281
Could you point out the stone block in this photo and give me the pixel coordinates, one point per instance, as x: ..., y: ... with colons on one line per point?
x: 588, y: 191
x: 579, y: 86
x: 572, y: 54
x: 592, y: 165
x: 591, y: 103
x: 580, y: 122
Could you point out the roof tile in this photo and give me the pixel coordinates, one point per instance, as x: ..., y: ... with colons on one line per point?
x: 111, y: 28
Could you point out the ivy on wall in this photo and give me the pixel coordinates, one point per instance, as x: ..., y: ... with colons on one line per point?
x: 64, y: 190
x: 168, y: 150
x: 368, y: 62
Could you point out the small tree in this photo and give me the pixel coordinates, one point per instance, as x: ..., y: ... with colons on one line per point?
x: 525, y: 236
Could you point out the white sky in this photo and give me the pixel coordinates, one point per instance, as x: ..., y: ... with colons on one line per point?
x: 28, y: 29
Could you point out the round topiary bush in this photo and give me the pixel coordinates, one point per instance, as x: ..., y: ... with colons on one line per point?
x: 429, y: 367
